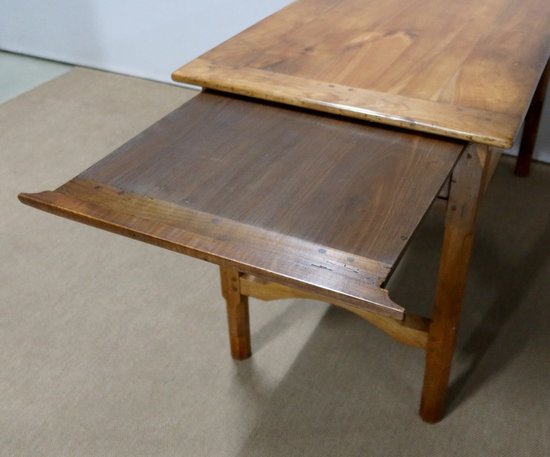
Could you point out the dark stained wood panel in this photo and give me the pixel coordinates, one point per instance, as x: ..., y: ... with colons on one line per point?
x: 464, y: 69
x: 308, y: 199
x: 342, y: 184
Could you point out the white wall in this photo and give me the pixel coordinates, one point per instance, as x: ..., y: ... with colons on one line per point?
x: 149, y: 39
x: 143, y: 38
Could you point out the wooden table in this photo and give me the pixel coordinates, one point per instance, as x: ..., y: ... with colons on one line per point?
x: 321, y: 204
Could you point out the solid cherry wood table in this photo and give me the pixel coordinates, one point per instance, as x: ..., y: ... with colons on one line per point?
x: 296, y: 203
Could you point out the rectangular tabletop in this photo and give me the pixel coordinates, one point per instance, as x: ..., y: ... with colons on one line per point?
x: 305, y: 199
x: 464, y: 69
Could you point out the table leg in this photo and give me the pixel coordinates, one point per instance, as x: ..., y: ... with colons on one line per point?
x: 531, y: 126
x: 465, y: 195
x: 237, y: 313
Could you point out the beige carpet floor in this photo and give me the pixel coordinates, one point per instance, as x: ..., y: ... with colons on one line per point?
x: 110, y: 347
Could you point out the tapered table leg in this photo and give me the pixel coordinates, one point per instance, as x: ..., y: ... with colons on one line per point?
x: 466, y: 191
x: 531, y: 126
x: 237, y: 313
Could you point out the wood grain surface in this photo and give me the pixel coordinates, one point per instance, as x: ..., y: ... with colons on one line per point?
x: 463, y: 69
x: 467, y: 190
x: 304, y: 199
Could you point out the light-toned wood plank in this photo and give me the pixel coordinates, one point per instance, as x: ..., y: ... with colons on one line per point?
x: 493, y: 157
x: 412, y: 330
x: 391, y: 109
x: 467, y: 188
x: 237, y: 313
x: 462, y: 69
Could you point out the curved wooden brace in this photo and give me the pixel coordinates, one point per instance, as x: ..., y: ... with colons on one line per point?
x: 412, y: 330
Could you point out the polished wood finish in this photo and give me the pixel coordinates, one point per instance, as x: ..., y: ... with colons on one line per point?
x: 237, y: 313
x: 463, y: 69
x: 309, y: 201
x: 467, y: 189
x: 412, y: 330
x: 491, y: 164
x: 531, y: 126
